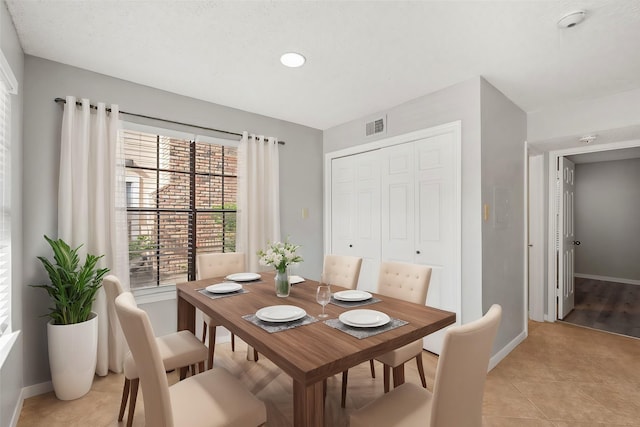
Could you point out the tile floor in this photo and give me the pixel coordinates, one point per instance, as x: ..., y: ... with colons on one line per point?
x: 560, y: 376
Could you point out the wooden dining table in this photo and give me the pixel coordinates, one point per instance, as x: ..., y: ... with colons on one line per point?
x: 309, y: 353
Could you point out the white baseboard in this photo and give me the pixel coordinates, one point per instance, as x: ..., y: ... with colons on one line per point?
x: 493, y: 362
x: 37, y: 389
x: 17, y: 410
x: 27, y: 392
x: 608, y: 279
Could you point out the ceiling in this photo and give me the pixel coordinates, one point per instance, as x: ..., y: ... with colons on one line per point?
x: 362, y: 57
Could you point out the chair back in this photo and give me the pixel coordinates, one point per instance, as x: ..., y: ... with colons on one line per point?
x: 219, y: 264
x: 462, y: 371
x: 139, y: 334
x: 342, y: 270
x: 112, y: 288
x: 408, y: 282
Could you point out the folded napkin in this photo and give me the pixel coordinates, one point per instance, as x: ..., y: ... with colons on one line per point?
x: 295, y: 279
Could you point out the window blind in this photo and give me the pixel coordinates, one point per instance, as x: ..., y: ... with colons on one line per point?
x: 5, y: 210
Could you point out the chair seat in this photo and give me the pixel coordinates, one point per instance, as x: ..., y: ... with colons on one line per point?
x: 177, y: 350
x: 408, y: 405
x: 215, y: 398
x: 401, y: 355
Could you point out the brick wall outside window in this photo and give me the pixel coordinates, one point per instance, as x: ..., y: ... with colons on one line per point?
x: 180, y: 202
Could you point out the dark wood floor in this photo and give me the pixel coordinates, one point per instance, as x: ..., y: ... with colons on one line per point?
x: 608, y: 306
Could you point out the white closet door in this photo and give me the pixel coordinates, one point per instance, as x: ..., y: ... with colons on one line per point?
x: 435, y: 242
x: 398, y: 207
x: 418, y: 216
x: 355, y: 213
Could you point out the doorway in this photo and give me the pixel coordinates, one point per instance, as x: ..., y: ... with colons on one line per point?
x: 545, y: 304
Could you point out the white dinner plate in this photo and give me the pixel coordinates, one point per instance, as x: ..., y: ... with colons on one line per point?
x: 364, y: 318
x: 224, y: 288
x: 243, y: 277
x: 352, y: 295
x: 280, y: 313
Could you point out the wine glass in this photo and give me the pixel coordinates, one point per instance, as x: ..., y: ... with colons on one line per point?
x: 323, y: 296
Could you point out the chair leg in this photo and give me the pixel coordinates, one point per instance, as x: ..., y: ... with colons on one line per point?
x: 212, y: 345
x: 132, y: 400
x: 386, y: 373
x: 345, y: 378
x: 125, y: 397
x: 421, y: 370
x: 373, y: 368
x: 233, y: 342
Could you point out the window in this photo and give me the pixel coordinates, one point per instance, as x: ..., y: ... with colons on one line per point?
x: 181, y: 200
x: 8, y: 85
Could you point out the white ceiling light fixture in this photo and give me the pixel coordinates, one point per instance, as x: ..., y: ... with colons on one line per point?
x: 292, y: 60
x: 572, y: 19
x: 588, y: 139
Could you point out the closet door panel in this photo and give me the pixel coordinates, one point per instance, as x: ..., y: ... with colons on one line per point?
x: 343, y: 206
x: 435, y: 208
x: 355, y: 212
x: 398, y: 203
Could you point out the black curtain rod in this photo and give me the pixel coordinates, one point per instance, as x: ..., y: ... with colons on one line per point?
x: 64, y: 101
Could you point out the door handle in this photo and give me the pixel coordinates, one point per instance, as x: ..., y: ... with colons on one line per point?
x: 350, y: 246
x: 576, y: 242
x: 418, y: 252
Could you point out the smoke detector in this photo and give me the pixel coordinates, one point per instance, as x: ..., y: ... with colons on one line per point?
x: 572, y: 19
x: 588, y: 139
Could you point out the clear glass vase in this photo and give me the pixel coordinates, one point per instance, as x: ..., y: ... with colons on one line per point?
x: 283, y: 287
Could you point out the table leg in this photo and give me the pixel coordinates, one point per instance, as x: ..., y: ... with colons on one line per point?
x: 308, y: 407
x: 398, y: 375
x: 186, y: 316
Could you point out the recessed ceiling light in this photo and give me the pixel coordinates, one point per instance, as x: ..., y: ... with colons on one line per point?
x: 572, y: 19
x: 292, y: 59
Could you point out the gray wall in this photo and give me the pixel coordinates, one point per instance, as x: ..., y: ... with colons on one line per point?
x: 300, y: 172
x: 504, y: 127
x: 493, y: 135
x: 607, y: 223
x: 11, y: 381
x: 458, y: 102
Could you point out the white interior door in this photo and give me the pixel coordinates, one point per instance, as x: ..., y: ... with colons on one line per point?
x: 436, y: 241
x: 566, y: 291
x: 419, y: 217
x: 355, y: 213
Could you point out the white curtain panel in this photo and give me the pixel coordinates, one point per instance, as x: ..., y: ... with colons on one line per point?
x: 258, y: 221
x: 92, y: 208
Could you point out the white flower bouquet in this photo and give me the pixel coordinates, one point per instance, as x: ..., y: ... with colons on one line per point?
x: 280, y: 255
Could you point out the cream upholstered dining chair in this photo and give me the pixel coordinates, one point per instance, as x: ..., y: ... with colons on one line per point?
x: 459, y: 385
x: 218, y: 265
x: 408, y: 282
x: 342, y: 270
x: 177, y: 350
x: 211, y: 398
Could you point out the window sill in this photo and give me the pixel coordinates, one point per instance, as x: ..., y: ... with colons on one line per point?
x: 6, y: 344
x: 156, y: 294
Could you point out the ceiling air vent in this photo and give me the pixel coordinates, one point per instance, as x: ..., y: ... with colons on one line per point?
x: 376, y: 127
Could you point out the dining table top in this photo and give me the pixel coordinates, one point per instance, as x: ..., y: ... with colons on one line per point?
x: 312, y: 352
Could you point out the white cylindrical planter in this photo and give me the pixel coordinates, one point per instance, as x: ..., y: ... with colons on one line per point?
x: 73, y: 352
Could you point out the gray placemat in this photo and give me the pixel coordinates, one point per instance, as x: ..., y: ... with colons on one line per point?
x: 350, y: 304
x: 272, y: 327
x: 216, y: 296
x: 361, y: 333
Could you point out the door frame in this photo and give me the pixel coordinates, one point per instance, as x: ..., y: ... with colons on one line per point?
x: 454, y: 128
x: 534, y: 236
x: 552, y: 270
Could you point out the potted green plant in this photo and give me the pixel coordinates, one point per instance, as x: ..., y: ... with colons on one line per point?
x: 72, y: 330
